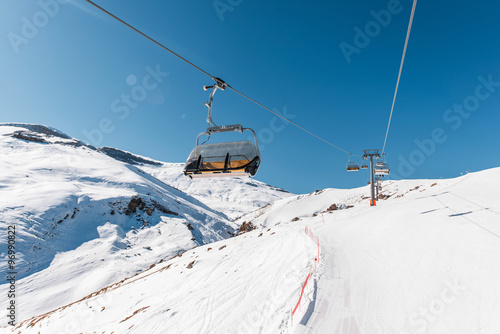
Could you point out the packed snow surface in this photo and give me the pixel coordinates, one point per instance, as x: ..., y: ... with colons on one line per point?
x: 84, y: 220
x: 231, y: 196
x: 424, y: 260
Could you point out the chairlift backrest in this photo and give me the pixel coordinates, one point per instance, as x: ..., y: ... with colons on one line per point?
x: 244, y: 150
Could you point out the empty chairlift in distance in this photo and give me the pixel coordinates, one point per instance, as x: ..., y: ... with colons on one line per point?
x: 382, y: 168
x: 227, y: 159
x: 351, y: 165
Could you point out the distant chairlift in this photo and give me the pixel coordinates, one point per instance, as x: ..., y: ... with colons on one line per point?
x: 351, y: 165
x: 228, y: 159
x: 382, y: 168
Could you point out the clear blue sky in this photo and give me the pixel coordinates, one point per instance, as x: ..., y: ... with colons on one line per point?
x: 67, y: 66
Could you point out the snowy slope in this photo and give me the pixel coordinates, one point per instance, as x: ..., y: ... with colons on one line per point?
x: 340, y: 201
x: 423, y: 263
x: 84, y: 220
x: 218, y: 288
x: 232, y: 196
x: 425, y: 260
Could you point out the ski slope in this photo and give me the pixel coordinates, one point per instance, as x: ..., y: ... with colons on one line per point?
x: 425, y: 264
x: 84, y: 220
x: 424, y: 260
x: 234, y: 196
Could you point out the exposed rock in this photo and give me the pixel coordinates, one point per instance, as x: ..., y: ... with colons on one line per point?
x: 132, y: 206
x: 127, y: 157
x: 43, y: 134
x: 29, y: 136
x: 246, y: 227
x: 137, y: 203
x: 332, y: 207
x: 163, y: 209
x: 42, y: 129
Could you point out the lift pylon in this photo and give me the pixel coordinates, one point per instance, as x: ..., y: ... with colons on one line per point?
x: 370, y: 154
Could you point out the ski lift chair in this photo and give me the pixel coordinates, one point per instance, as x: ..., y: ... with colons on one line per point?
x: 352, y: 167
x: 227, y: 159
x: 382, y: 169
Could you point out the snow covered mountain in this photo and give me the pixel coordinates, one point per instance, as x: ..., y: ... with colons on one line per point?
x: 424, y: 260
x: 234, y: 196
x: 84, y: 220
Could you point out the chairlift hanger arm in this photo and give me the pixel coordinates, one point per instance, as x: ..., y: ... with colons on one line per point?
x: 209, y: 103
x: 219, y: 84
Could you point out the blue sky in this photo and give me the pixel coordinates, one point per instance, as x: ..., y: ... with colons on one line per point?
x: 68, y: 66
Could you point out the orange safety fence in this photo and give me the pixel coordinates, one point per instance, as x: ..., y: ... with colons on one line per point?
x: 301, y: 293
x: 315, y: 239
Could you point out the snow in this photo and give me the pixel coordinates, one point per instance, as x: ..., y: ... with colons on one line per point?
x: 424, y: 260
x: 231, y: 196
x: 423, y: 264
x: 60, y: 194
x: 216, y: 295
x: 235, y: 196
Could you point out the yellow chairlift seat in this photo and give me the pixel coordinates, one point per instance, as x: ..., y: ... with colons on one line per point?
x: 229, y: 159
x: 352, y: 167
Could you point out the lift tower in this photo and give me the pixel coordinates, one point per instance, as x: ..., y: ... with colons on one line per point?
x: 372, y: 154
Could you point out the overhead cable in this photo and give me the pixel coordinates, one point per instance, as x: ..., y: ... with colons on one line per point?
x: 400, y: 70
x: 211, y: 76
